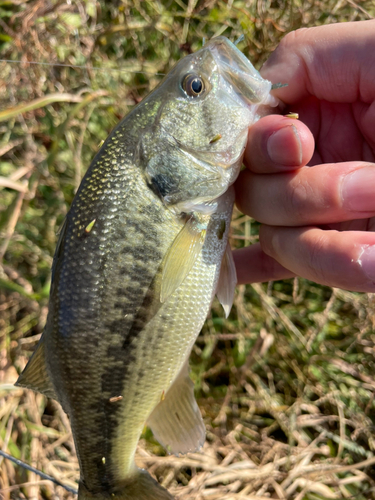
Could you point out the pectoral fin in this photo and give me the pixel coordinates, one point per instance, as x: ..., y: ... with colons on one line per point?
x: 35, y: 375
x: 227, y: 281
x: 181, y: 256
x: 177, y: 421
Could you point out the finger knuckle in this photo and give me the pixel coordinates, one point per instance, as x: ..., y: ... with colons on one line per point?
x: 315, y: 257
x: 295, y: 38
x: 298, y: 206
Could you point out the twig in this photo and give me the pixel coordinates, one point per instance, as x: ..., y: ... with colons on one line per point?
x: 12, y: 223
x: 36, y: 471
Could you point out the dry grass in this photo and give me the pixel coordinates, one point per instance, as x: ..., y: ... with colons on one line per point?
x: 286, y: 384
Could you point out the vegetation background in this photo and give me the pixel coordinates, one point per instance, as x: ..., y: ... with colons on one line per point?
x: 286, y: 385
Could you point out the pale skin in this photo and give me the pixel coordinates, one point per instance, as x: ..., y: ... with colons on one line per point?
x: 318, y: 223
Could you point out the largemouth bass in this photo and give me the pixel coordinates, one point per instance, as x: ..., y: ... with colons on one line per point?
x: 141, y: 254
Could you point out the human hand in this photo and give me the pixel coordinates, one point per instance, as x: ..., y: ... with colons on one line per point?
x: 318, y: 222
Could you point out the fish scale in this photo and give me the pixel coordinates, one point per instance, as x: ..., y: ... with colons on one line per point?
x: 142, y: 251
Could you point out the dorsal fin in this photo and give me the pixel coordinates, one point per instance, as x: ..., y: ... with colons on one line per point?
x: 35, y: 375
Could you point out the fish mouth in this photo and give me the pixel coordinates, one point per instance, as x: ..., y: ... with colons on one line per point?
x: 239, y: 74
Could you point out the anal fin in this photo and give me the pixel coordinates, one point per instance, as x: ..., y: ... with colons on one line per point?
x: 177, y: 421
x: 35, y: 375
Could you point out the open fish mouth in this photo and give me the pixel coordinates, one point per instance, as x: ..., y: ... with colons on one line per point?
x: 240, y: 74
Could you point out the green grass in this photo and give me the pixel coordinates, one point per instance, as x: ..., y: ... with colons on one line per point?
x: 286, y: 384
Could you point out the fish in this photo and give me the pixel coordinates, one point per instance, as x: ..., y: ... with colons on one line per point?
x: 140, y: 256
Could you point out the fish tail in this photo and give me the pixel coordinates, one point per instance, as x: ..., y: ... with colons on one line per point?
x: 141, y: 486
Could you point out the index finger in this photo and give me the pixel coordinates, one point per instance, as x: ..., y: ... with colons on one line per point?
x: 335, y: 62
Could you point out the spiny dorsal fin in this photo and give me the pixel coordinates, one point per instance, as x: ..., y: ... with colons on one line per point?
x: 35, y: 375
x: 182, y: 255
x: 227, y: 281
x: 177, y: 421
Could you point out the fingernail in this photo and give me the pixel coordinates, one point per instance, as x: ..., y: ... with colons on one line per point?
x: 284, y: 147
x: 367, y: 261
x: 358, y: 190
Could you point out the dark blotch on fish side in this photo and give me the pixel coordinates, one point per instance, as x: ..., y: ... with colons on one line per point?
x: 163, y: 185
x: 221, y: 230
x: 147, y: 310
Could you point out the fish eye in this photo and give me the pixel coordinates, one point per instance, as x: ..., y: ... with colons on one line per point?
x: 193, y: 85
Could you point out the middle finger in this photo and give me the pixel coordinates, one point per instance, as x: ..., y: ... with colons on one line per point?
x: 322, y: 194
